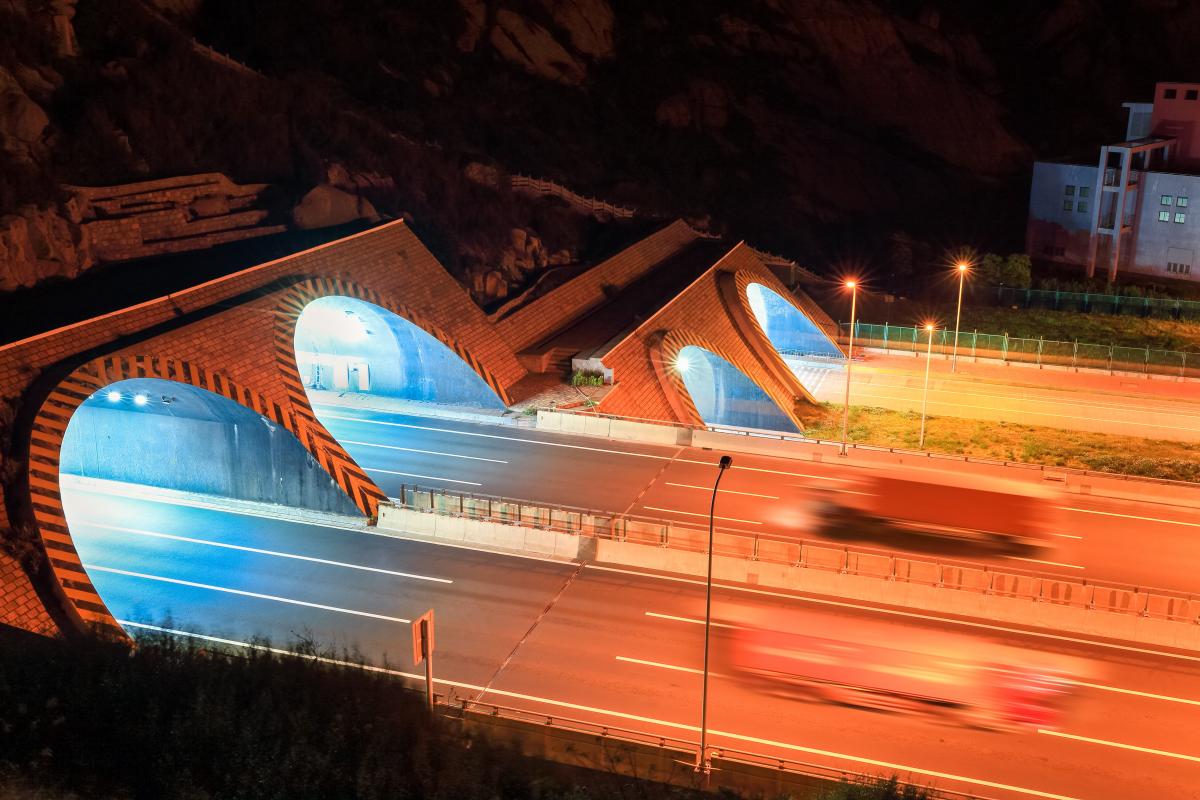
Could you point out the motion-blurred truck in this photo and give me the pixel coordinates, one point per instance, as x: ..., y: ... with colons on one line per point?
x: 973, y: 507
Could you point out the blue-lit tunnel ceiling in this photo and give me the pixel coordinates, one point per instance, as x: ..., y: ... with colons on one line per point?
x: 348, y: 346
x: 804, y: 347
x: 723, y: 395
x: 145, y: 467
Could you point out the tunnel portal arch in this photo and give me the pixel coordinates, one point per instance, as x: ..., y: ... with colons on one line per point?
x: 52, y: 422
x: 723, y: 395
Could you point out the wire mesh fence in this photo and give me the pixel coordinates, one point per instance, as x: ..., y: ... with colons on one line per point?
x: 1043, y: 352
x: 1088, y: 302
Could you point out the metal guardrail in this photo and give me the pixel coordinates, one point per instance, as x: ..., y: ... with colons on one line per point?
x: 620, y: 735
x: 1152, y: 602
x: 1091, y: 302
x: 1042, y: 352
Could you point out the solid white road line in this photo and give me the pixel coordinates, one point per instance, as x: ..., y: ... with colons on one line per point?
x: 671, y: 667
x: 1049, y: 563
x: 260, y: 551
x: 893, y: 612
x: 422, y: 477
x: 674, y: 618
x: 721, y: 491
x: 426, y: 452
x: 244, y: 593
x: 658, y: 456
x: 698, y: 514
x: 1132, y: 516
x: 1135, y: 693
x: 887, y: 765
x: 1120, y: 745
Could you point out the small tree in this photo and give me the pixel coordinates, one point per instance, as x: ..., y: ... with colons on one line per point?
x: 1015, y: 271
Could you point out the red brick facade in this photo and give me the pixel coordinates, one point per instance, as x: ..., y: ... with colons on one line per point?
x: 235, y: 336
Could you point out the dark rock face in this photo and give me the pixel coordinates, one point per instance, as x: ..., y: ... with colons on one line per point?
x: 816, y: 128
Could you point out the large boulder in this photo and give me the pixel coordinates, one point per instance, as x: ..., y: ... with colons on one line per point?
x: 326, y: 206
x: 533, y: 48
x: 37, y: 244
x: 22, y: 121
x: 589, y: 24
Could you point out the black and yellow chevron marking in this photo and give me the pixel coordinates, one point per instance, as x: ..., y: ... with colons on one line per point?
x: 50, y: 427
x: 292, y: 303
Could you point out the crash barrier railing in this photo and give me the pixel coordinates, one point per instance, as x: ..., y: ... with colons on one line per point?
x: 1092, y: 302
x: 1049, y: 473
x: 817, y: 555
x: 631, y: 736
x: 1042, y: 352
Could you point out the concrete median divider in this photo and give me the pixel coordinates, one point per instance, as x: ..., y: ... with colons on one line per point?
x: 519, y: 539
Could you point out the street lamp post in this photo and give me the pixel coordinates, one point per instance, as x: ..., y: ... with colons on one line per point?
x: 853, y: 287
x: 962, y: 267
x: 925, y: 395
x: 703, y: 764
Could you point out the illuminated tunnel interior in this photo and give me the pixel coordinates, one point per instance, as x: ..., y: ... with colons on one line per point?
x: 724, y: 395
x: 157, y: 433
x: 804, y: 347
x: 349, y: 346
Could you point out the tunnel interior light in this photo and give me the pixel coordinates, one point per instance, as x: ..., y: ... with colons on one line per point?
x: 682, y: 364
x: 140, y: 399
x: 113, y: 396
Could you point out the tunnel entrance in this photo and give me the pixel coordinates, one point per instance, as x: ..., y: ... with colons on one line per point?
x: 815, y: 360
x: 348, y: 347
x: 723, y: 395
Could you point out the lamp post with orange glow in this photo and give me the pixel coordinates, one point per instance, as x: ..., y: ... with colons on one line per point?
x: 853, y: 287
x: 703, y: 764
x: 963, y: 268
x: 925, y: 396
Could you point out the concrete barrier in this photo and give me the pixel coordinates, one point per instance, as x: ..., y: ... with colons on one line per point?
x: 1063, y: 616
x: 491, y: 535
x: 626, y: 430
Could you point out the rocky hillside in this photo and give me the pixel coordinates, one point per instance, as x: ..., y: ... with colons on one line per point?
x: 824, y: 129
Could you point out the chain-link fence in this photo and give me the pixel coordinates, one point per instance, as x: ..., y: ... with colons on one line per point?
x: 1099, y: 303
x: 973, y: 345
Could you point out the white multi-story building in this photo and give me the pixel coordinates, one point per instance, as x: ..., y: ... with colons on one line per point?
x: 1132, y: 210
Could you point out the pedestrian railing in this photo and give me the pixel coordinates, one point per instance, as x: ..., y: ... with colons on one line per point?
x: 1042, y: 352
x: 807, y: 554
x: 1099, y: 303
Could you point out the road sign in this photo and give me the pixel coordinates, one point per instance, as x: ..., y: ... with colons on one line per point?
x: 422, y: 637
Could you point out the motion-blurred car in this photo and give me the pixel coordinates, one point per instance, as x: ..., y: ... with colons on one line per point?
x: 973, y: 681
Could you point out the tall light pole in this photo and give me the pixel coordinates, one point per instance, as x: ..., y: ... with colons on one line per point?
x: 963, y: 267
x: 703, y: 764
x: 853, y: 287
x: 925, y: 396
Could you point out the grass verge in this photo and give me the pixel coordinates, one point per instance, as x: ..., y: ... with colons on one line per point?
x: 172, y: 721
x: 1033, y: 444
x: 1069, y: 326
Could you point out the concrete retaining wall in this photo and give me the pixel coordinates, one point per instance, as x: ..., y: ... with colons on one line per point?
x: 620, y: 429
x: 491, y: 535
x: 1058, y: 615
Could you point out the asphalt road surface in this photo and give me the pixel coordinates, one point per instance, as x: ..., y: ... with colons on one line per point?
x: 1132, y: 543
x: 619, y: 645
x: 1074, y: 401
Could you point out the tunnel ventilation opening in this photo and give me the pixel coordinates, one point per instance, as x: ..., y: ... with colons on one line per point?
x: 723, y: 395
x: 804, y: 347
x: 349, y: 351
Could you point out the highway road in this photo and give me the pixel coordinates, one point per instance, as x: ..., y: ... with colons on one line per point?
x: 619, y: 645
x: 1133, y: 543
x: 1100, y: 404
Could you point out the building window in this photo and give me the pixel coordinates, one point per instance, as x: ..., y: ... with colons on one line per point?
x: 1164, y: 216
x: 1081, y: 206
x: 1181, y: 218
x: 1165, y: 200
x: 1069, y: 191
x: 1084, y: 191
x: 1168, y: 94
x: 1190, y: 94
x: 1181, y: 202
x: 1068, y: 204
x: 1179, y: 269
